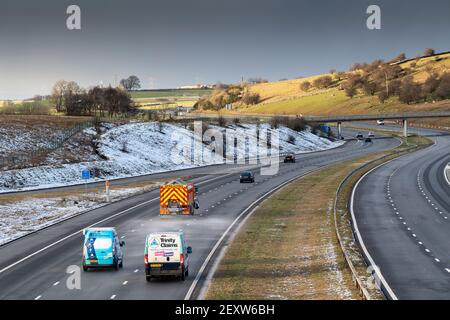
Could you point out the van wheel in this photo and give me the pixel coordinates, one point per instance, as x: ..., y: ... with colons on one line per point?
x: 183, y: 275
x: 187, y: 272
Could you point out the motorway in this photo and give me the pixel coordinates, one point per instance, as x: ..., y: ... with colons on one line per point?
x: 402, y: 211
x: 34, y: 267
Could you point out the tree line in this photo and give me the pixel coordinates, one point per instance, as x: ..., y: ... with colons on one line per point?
x: 387, y: 79
x: 69, y: 98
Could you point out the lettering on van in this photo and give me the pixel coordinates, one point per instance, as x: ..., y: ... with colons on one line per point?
x: 168, y: 243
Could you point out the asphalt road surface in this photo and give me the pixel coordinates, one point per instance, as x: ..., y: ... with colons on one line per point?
x: 402, y: 210
x: 34, y: 267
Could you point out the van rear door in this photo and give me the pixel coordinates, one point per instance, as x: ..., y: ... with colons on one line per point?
x: 164, y: 248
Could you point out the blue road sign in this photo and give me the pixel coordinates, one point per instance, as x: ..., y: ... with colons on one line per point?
x: 85, y: 174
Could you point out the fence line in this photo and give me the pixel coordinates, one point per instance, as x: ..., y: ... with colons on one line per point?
x: 22, y: 158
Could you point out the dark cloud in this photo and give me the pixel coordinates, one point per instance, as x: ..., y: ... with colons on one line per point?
x: 178, y: 42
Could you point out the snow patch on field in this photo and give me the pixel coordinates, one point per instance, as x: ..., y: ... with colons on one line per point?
x: 145, y: 148
x: 23, y: 217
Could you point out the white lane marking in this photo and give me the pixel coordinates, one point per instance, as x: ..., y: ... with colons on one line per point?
x: 389, y: 290
x: 447, y: 269
x: 93, y: 225
x: 113, y: 297
x: 427, y: 250
x: 38, y: 297
x: 56, y: 283
x: 218, y: 243
x: 136, y: 271
x: 125, y: 283
x: 437, y: 260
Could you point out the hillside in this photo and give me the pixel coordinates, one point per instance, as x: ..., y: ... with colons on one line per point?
x: 139, y: 148
x: 286, y: 97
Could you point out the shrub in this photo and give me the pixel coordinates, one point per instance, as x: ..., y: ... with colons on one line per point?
x: 251, y: 98
x: 323, y: 82
x: 305, y: 86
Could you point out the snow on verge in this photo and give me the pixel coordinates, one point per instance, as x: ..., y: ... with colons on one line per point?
x: 145, y: 148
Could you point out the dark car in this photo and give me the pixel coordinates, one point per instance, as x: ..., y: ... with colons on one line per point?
x: 359, y: 136
x: 247, y: 177
x: 368, y: 140
x: 289, y: 158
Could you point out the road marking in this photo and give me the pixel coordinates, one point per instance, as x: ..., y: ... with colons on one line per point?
x: 437, y: 260
x: 113, y: 297
x: 427, y: 250
x: 56, y: 283
x: 447, y: 269
x: 125, y: 283
x: 389, y: 290
x: 136, y: 271
x: 93, y: 225
x: 38, y: 297
x: 218, y: 243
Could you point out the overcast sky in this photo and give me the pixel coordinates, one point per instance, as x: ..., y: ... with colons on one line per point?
x: 169, y: 43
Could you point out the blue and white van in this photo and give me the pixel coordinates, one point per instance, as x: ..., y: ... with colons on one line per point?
x: 102, y: 248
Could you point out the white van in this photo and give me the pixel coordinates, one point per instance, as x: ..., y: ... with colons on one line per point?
x: 166, y: 254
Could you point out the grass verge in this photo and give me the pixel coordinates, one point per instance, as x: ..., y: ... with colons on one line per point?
x: 289, y: 249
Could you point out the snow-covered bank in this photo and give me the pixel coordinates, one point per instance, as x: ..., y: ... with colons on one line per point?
x: 145, y: 148
x: 28, y: 215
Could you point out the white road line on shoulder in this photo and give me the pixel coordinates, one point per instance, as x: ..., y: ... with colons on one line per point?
x: 113, y: 297
x: 38, y: 297
x: 92, y: 225
x: 219, y: 242
x: 389, y: 290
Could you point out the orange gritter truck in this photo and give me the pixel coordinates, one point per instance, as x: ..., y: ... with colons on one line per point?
x: 177, y: 197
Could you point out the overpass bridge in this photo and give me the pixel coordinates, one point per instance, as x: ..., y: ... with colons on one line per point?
x: 338, y: 119
x: 403, y: 116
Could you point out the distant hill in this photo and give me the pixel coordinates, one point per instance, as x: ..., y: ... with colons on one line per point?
x: 287, y: 97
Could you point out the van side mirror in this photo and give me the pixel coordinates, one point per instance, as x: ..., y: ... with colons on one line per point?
x: 189, y: 250
x: 122, y: 243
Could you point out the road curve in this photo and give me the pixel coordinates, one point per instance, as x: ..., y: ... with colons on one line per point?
x: 402, y: 211
x: 35, y: 266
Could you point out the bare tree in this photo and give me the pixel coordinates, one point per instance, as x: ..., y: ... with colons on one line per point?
x: 131, y: 83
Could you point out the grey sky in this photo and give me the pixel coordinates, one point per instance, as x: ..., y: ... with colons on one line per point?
x: 168, y: 43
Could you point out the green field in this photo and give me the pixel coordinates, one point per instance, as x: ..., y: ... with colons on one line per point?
x: 170, y: 93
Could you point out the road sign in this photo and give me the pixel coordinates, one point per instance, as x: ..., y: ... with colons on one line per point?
x: 85, y: 174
